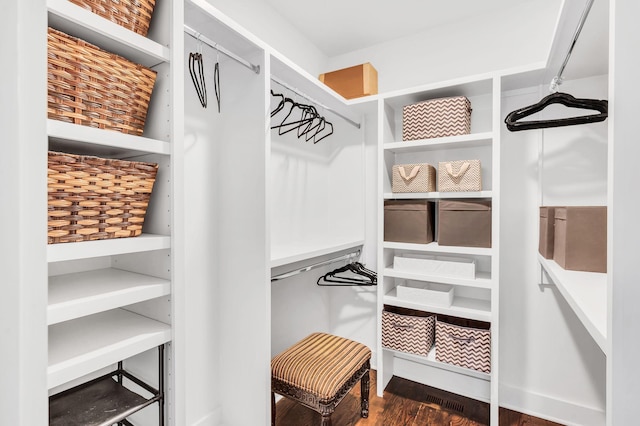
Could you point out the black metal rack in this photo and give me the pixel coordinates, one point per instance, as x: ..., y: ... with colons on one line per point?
x: 105, y: 400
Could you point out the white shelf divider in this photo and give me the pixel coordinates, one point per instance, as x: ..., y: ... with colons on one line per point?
x: 434, y: 247
x: 449, y: 142
x: 430, y: 359
x: 87, y: 249
x: 82, y: 23
x: 81, y: 294
x: 68, y: 134
x: 436, y: 195
x: 586, y: 294
x: 462, y: 307
x: 84, y: 345
x: 483, y: 279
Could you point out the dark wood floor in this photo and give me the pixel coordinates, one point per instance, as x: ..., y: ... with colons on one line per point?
x: 405, y: 403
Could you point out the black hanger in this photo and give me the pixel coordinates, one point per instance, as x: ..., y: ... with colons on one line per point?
x: 309, y: 123
x: 196, y: 70
x: 216, y: 79
x: 557, y: 98
x: 361, y: 277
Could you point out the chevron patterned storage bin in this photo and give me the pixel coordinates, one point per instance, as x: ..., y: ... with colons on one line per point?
x: 463, y: 346
x: 419, y: 177
x: 408, y: 333
x: 436, y: 118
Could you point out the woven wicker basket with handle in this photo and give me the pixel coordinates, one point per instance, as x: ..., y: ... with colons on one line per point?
x: 134, y: 15
x: 92, y: 198
x: 91, y: 87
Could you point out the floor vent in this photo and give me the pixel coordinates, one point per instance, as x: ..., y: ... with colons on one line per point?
x: 444, y: 403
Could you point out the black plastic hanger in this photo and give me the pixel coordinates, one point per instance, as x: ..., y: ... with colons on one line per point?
x: 196, y: 70
x: 216, y: 79
x: 557, y: 98
x: 362, y: 277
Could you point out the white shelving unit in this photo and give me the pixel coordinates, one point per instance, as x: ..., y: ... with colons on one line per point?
x: 474, y: 299
x: 111, y: 300
x: 586, y: 294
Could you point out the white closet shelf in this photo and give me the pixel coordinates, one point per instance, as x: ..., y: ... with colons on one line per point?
x: 436, y: 195
x: 80, y: 294
x: 462, y: 307
x: 483, y: 279
x: 82, y: 23
x: 87, y: 249
x: 586, y: 294
x: 436, y: 248
x: 472, y: 140
x: 303, y: 250
x: 88, y: 344
x: 430, y: 360
x: 68, y: 137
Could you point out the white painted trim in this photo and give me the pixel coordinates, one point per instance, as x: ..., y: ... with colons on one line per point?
x: 545, y: 407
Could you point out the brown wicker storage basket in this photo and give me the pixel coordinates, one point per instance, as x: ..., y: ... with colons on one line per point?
x: 91, y: 198
x: 134, y: 15
x: 91, y: 87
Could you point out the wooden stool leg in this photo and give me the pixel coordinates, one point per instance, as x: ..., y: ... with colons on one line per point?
x: 364, y: 395
x: 273, y: 409
x: 326, y: 420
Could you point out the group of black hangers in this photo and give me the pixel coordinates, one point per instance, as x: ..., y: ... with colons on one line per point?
x: 565, y: 99
x: 352, y: 274
x: 196, y: 70
x: 302, y: 118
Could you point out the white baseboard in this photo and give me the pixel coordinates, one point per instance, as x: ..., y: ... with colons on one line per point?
x: 212, y: 419
x: 544, y: 407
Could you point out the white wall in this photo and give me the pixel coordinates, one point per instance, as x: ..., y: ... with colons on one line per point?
x: 549, y: 364
x: 265, y: 22
x: 510, y: 38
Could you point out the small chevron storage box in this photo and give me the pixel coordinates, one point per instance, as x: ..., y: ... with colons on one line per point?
x: 413, y: 333
x: 467, y: 347
x: 436, y: 118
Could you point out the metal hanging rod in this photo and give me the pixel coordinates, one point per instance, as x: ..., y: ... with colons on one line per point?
x: 291, y: 273
x: 296, y: 91
x: 199, y: 36
x: 557, y: 80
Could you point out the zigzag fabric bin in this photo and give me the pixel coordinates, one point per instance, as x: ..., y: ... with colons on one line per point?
x: 408, y: 333
x: 436, y: 118
x: 463, y: 346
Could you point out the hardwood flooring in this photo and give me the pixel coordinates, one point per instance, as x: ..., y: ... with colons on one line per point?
x: 405, y: 403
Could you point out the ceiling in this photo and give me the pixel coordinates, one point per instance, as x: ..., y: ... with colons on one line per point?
x: 341, y: 26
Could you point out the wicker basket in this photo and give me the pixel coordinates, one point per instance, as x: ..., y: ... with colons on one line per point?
x: 134, y: 15
x: 91, y: 87
x: 91, y: 198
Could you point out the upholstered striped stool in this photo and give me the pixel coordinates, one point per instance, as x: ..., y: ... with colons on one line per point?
x: 319, y: 371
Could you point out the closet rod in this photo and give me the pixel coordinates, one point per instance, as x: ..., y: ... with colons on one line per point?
x: 557, y: 80
x: 284, y: 275
x: 199, y: 36
x: 285, y: 85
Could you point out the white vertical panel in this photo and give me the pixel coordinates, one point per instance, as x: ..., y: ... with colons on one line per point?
x: 23, y: 331
x: 624, y: 229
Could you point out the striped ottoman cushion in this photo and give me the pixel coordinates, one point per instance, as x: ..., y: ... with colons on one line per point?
x: 320, y: 363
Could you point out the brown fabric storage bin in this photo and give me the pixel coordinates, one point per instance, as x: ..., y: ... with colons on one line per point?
x: 547, y: 224
x: 580, y: 240
x: 467, y: 346
x: 436, y: 118
x: 407, y: 330
x: 408, y: 221
x: 464, y: 223
x: 420, y: 177
x: 353, y: 82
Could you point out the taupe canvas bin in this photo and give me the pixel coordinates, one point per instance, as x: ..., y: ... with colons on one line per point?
x: 413, y: 178
x: 464, y: 223
x: 547, y: 223
x: 408, y: 221
x: 580, y: 240
x: 436, y: 118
